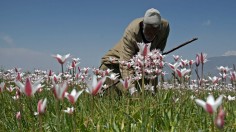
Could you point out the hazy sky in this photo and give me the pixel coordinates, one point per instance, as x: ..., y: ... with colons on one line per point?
x: 32, y: 30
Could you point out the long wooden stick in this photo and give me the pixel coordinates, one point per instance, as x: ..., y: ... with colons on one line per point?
x: 190, y: 41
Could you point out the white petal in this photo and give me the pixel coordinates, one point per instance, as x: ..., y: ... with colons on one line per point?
x: 20, y: 85
x: 73, y: 92
x: 217, y: 102
x: 132, y: 90
x: 210, y: 100
x: 67, y: 56
x: 78, y: 94
x: 66, y: 94
x: 35, y: 88
x: 201, y: 103
x: 88, y: 90
x: 63, y: 88
x: 44, y: 103
x: 94, y: 81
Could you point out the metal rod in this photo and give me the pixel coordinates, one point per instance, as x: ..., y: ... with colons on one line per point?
x: 190, y: 41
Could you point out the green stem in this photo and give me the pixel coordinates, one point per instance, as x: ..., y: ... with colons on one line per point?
x: 142, y: 101
x: 31, y: 109
x: 58, y: 114
x: 40, y: 123
x: 73, y: 123
x: 21, y: 113
x: 62, y: 70
x: 92, y: 105
x: 202, y: 74
x: 174, y: 79
x: 213, y: 124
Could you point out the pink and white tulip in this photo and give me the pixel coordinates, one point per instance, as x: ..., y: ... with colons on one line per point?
x: 73, y: 96
x: 176, y: 57
x: 2, y: 86
x: 95, y: 86
x: 69, y: 110
x: 220, y: 119
x: 181, y: 73
x: 214, y: 79
x: 211, y: 104
x: 203, y: 58
x: 29, y: 89
x: 41, y: 108
x: 126, y: 83
x: 60, y: 89
x: 61, y: 59
x: 18, y: 115
x: 144, y: 49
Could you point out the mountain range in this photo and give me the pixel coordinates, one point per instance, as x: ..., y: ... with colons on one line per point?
x: 210, y: 67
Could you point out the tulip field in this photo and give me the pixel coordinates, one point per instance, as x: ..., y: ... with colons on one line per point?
x: 81, y: 99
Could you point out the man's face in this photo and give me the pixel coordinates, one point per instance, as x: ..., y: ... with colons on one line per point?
x: 150, y: 31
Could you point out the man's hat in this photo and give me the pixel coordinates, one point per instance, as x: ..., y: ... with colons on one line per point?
x: 153, y: 17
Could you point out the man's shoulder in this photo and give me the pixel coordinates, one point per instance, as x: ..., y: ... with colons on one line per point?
x: 134, y: 25
x: 137, y: 20
x: 164, y: 22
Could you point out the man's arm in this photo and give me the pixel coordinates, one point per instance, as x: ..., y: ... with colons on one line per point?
x: 127, y: 51
x: 164, y: 37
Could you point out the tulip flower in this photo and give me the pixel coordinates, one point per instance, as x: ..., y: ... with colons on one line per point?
x: 211, y: 104
x: 18, y: 77
x: 233, y: 76
x: 230, y: 98
x: 55, y: 78
x: 203, y: 58
x: 97, y: 71
x: 219, y: 121
x: 112, y: 60
x: 61, y: 59
x: 173, y: 66
x: 182, y: 72
x: 2, y: 86
x: 197, y: 60
x: 73, y: 96
x: 95, y: 86
x: 176, y: 57
x: 85, y: 69
x: 60, y: 89
x: 144, y: 49
x: 69, y: 110
x: 221, y: 69
x: 76, y: 60
x: 191, y: 62
x: 132, y: 90
x: 41, y: 108
x: 74, y: 64
x: 17, y: 69
x: 126, y: 83
x: 29, y: 89
x: 114, y: 76
x: 10, y: 88
x: 18, y: 115
x: 184, y: 63
x: 214, y: 80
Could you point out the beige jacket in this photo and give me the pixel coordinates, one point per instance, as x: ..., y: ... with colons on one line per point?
x: 127, y: 47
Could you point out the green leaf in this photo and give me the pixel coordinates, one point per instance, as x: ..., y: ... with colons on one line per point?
x: 115, y: 127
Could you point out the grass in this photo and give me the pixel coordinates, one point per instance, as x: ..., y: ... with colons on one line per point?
x: 168, y: 110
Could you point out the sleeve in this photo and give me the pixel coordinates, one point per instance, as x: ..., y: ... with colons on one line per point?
x: 164, y: 38
x: 127, y: 51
